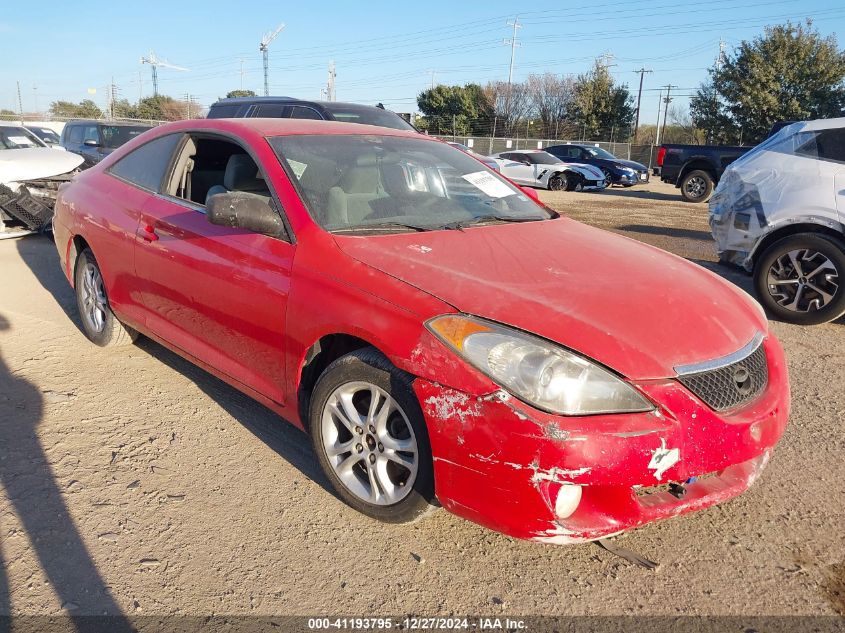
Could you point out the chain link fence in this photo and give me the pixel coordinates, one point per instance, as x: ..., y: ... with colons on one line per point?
x: 485, y: 145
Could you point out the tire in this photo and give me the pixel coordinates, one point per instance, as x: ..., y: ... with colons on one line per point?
x: 99, y: 323
x: 402, y: 493
x: 608, y: 178
x: 697, y: 186
x: 807, y: 263
x: 559, y: 182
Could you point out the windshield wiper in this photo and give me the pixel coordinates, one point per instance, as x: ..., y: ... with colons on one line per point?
x: 460, y: 224
x: 382, y: 225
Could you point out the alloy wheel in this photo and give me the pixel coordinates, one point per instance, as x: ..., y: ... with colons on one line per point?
x: 93, y: 298
x: 695, y: 187
x: 370, y: 443
x: 803, y: 280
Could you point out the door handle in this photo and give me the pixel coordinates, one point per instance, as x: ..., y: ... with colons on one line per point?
x: 148, y: 233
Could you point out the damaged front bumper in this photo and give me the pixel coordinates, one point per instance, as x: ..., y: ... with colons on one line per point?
x: 557, y: 479
x: 28, y: 205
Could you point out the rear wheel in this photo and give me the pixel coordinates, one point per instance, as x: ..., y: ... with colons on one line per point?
x: 697, y: 186
x: 799, y: 279
x: 370, y: 438
x: 99, y: 323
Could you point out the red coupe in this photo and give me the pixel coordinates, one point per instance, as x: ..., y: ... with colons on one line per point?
x: 440, y: 334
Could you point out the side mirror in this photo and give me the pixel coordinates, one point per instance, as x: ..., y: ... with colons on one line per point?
x: 531, y: 193
x: 243, y: 210
x: 91, y: 143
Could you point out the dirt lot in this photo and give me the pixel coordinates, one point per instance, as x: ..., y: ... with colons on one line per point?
x: 134, y: 483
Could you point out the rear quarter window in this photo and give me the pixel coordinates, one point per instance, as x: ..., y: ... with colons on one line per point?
x: 146, y: 165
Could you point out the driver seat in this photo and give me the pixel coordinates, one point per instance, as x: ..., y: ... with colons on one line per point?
x: 241, y: 175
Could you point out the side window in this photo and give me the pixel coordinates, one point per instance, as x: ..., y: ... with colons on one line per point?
x: 302, y: 112
x: 90, y: 133
x: 146, y: 165
x: 831, y: 145
x: 269, y: 110
x: 520, y: 158
x: 75, y: 134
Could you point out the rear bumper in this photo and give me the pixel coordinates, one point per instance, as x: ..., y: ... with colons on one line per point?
x: 503, y: 464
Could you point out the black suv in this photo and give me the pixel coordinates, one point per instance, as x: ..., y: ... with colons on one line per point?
x: 290, y: 108
x: 94, y: 140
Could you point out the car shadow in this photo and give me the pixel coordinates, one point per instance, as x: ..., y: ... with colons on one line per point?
x: 633, y: 192
x: 282, y: 437
x: 668, y: 231
x: 27, y: 479
x: 39, y: 254
x: 285, y: 439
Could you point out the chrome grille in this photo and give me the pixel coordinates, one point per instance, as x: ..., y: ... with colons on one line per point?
x: 732, y: 385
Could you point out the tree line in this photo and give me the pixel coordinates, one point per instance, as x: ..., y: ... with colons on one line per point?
x: 591, y: 105
x: 789, y: 73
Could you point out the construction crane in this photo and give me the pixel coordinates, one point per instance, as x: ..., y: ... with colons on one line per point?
x: 264, y: 47
x: 154, y: 62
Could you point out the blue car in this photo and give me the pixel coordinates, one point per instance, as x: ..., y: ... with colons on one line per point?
x: 617, y: 171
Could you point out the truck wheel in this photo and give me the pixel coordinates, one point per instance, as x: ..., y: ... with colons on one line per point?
x: 697, y: 186
x: 799, y: 279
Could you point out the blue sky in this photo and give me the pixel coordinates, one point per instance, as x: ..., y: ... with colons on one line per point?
x: 383, y: 51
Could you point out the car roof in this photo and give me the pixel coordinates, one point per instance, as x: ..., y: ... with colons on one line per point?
x: 102, y: 122
x: 289, y: 127
x: 293, y: 100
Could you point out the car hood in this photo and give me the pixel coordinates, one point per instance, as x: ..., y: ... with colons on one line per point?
x: 606, y: 162
x: 591, y: 172
x: 634, y: 308
x: 35, y: 162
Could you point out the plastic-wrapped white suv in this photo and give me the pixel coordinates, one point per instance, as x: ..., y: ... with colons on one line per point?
x: 779, y: 212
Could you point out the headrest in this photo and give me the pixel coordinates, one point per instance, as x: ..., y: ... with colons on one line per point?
x: 320, y: 175
x: 242, y: 174
x: 360, y: 180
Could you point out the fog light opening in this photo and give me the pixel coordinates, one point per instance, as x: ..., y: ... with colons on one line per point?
x: 568, y: 498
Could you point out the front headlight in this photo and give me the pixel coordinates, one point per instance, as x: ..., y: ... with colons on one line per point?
x: 541, y: 373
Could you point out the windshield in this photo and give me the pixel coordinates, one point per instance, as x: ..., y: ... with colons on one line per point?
x: 598, y: 152
x: 45, y: 134
x: 18, y: 138
x: 542, y: 158
x: 116, y: 135
x: 367, y: 116
x: 389, y: 184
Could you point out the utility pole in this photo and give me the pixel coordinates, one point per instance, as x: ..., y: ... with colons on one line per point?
x: 20, y: 103
x: 513, y: 42
x: 657, y: 125
x: 264, y: 47
x: 35, y: 96
x: 241, y: 59
x: 432, y: 73
x: 330, y: 93
x: 642, y: 71
x: 188, y: 104
x: 666, y: 110
x: 140, y: 85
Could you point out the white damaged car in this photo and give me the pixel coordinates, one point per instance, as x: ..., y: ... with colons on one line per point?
x: 536, y: 168
x: 779, y: 212
x: 30, y: 176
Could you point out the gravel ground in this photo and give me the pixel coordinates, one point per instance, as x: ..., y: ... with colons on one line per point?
x: 132, y: 482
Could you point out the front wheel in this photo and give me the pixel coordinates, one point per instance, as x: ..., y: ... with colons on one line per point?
x: 797, y: 279
x: 697, y: 186
x: 608, y: 178
x: 558, y: 182
x: 370, y: 437
x: 99, y: 323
